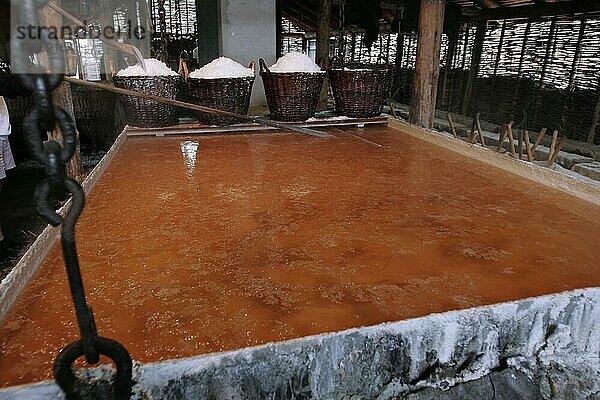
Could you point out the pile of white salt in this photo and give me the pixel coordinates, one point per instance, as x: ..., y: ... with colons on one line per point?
x: 222, y: 67
x: 154, y: 67
x: 295, y: 62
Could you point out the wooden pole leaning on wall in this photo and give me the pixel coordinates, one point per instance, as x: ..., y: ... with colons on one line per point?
x: 479, y: 129
x: 475, y: 64
x: 511, y: 138
x: 539, y: 139
x: 451, y: 123
x: 431, y: 21
x: 502, y: 138
x: 528, y: 146
x: 554, y: 154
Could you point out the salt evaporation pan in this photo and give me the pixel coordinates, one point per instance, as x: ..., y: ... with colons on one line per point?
x: 222, y: 67
x: 154, y: 67
x: 295, y: 62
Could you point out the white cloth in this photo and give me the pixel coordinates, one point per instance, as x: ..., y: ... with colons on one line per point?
x: 6, y: 158
x: 4, y: 119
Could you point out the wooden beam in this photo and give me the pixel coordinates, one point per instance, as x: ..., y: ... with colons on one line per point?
x: 488, y: 3
x: 570, y: 8
x: 431, y: 20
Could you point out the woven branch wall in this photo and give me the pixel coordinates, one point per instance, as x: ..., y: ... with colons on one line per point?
x: 539, y: 74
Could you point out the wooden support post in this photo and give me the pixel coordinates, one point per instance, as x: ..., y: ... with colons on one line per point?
x: 528, y: 145
x: 452, y: 128
x: 511, y: 138
x: 431, y: 19
x: 62, y: 97
x: 475, y: 63
x: 323, y: 33
x: 539, y: 139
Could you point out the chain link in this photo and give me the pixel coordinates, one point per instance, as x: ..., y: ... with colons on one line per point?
x: 44, y: 118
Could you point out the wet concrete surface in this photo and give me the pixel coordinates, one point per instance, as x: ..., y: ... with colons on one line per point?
x: 203, y: 244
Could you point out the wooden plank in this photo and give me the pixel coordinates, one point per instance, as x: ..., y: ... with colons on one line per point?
x: 431, y: 20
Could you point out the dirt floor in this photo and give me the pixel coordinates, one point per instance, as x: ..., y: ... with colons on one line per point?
x: 192, y: 245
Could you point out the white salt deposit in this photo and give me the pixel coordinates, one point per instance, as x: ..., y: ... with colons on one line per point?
x: 295, y: 62
x: 154, y: 67
x: 222, y: 67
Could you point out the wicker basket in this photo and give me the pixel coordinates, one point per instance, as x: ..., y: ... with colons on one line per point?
x: 227, y: 94
x: 360, y: 93
x: 94, y: 115
x: 146, y: 113
x: 291, y: 96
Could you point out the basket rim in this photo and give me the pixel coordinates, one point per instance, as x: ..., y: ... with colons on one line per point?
x: 223, y: 79
x: 144, y: 77
x: 360, y: 70
x: 311, y: 74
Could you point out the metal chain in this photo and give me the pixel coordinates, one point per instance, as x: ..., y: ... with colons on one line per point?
x: 43, y: 118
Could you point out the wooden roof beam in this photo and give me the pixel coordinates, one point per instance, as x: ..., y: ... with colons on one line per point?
x: 488, y: 3
x: 574, y: 7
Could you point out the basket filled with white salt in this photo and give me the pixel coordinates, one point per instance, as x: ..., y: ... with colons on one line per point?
x: 292, y: 86
x: 157, y: 79
x: 360, y: 92
x: 222, y: 84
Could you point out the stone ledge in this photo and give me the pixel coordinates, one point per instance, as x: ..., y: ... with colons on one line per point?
x: 451, y: 354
